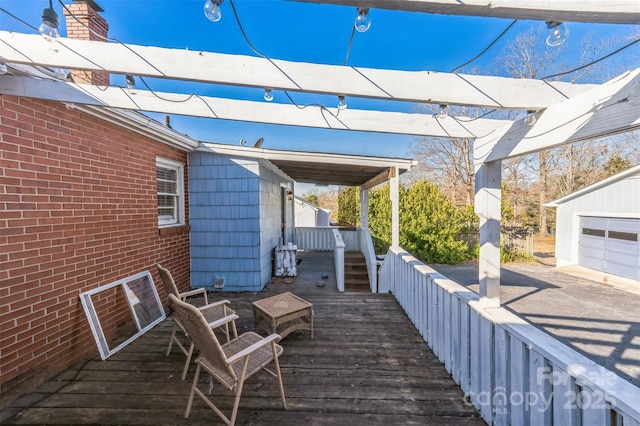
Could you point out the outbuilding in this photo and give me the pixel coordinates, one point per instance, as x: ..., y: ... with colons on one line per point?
x: 598, y: 227
x: 308, y: 214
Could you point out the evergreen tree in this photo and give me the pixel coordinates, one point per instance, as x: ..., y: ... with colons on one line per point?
x: 431, y: 225
x: 349, y: 206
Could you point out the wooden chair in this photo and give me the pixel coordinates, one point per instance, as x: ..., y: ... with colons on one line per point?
x: 212, y: 312
x: 230, y: 364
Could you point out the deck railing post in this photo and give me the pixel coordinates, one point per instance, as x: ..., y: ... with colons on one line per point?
x: 338, y: 259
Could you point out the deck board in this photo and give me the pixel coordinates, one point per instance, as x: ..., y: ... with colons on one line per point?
x: 366, y: 365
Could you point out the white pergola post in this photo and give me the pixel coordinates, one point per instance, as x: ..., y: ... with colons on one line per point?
x: 395, y: 206
x: 488, y: 180
x: 364, y: 208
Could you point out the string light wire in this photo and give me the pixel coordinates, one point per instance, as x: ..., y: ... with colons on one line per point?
x: 322, y: 107
x: 488, y: 47
x: 608, y: 55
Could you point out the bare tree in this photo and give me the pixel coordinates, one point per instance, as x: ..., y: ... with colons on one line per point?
x: 567, y: 168
x: 448, y: 163
x: 533, y: 180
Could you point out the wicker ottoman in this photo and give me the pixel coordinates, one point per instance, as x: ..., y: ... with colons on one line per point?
x: 283, y: 314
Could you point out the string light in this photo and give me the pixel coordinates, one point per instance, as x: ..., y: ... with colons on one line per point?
x: 212, y: 10
x: 61, y: 73
x: 342, y: 103
x: 363, y: 20
x: 531, y: 118
x: 268, y: 96
x: 3, y: 68
x: 443, y: 112
x: 49, y: 26
x: 557, y: 33
x: 131, y: 84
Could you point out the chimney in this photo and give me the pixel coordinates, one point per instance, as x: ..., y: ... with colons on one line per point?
x: 87, y: 24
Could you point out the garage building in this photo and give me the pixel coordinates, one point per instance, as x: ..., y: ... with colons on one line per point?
x: 598, y: 227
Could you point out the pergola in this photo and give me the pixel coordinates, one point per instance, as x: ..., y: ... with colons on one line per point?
x: 566, y: 113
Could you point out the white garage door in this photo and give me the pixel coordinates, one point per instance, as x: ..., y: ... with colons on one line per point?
x: 610, y: 245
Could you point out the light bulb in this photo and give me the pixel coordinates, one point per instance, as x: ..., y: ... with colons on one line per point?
x: 557, y: 33
x: 3, y: 68
x: 531, y: 118
x: 212, y: 10
x: 60, y: 73
x: 363, y: 20
x: 131, y: 84
x: 268, y: 96
x: 49, y: 26
x: 342, y: 104
x: 443, y: 111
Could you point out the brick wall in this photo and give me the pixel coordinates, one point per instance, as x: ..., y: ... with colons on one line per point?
x: 79, y: 210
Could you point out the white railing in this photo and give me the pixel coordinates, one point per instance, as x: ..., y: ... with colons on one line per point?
x: 324, y: 239
x: 351, y: 239
x: 314, y: 238
x: 338, y: 258
x: 366, y: 247
x: 511, y: 371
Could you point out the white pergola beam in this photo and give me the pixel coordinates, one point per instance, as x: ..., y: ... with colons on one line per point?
x: 612, y: 108
x: 248, y: 111
x: 595, y: 11
x: 180, y: 64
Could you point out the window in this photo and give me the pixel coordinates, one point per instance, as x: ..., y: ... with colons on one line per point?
x: 619, y: 235
x: 112, y: 324
x: 169, y: 178
x: 594, y: 232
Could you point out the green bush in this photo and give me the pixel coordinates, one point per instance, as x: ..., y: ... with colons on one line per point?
x: 429, y: 223
x: 506, y: 255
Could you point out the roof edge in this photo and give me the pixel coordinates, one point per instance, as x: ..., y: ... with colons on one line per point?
x: 274, y: 154
x: 601, y: 184
x: 143, y: 125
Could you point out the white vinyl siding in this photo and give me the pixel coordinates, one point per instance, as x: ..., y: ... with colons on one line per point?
x: 170, y: 188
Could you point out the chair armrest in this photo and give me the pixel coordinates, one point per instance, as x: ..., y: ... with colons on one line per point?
x: 248, y: 350
x: 211, y: 305
x: 223, y: 321
x: 193, y: 293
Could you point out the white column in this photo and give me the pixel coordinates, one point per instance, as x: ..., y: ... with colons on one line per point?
x: 364, y: 208
x: 487, y: 205
x: 395, y: 206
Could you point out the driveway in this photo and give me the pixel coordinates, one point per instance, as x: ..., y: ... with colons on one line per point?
x: 594, y: 313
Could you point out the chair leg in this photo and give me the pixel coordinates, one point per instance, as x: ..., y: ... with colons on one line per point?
x: 239, y: 386
x: 193, y: 392
x: 279, y: 375
x: 187, y: 362
x: 172, y: 338
x: 235, y: 330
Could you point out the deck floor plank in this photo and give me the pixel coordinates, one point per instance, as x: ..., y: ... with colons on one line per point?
x: 366, y: 365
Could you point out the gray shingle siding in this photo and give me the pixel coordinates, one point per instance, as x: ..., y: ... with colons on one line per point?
x: 235, y: 215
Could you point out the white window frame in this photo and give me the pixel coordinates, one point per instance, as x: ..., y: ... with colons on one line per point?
x: 179, y: 169
x: 149, y: 306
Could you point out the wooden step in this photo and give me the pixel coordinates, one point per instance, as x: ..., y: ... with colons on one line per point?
x: 356, y: 276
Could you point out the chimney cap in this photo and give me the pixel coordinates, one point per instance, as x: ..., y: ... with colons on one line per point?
x: 92, y: 4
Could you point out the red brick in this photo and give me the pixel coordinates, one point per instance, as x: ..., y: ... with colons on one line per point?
x: 80, y: 212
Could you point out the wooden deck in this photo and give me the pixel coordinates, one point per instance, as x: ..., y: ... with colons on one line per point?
x: 366, y: 365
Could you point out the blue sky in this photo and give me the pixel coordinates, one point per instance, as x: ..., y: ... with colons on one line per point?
x: 304, y: 32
